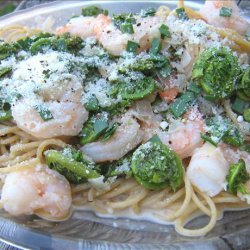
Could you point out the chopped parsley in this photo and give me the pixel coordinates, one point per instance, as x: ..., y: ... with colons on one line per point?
x: 164, y: 30
x: 124, y: 22
x: 127, y: 28
x: 155, y: 46
x: 94, y: 11
x: 181, y: 14
x: 45, y: 113
x: 226, y: 12
x: 132, y: 47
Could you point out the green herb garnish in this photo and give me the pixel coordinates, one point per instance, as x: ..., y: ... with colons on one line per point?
x: 182, y: 103
x: 132, y: 47
x: 94, y: 11
x: 246, y: 115
x: 181, y: 14
x: 237, y: 177
x: 45, y: 113
x: 127, y: 28
x: 164, y: 30
x: 155, y: 46
x: 226, y: 12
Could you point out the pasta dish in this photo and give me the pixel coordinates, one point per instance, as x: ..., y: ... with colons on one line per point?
x: 143, y: 115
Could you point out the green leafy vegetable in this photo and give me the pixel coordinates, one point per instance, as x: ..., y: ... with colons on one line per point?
x: 194, y: 88
x: 97, y: 127
x: 164, y: 30
x: 216, y: 70
x: 135, y: 90
x: 155, y: 46
x: 65, y: 43
x: 7, y: 49
x: 100, y: 125
x: 73, y: 43
x: 71, y: 164
x: 181, y: 14
x: 155, y: 138
x: 45, y: 113
x: 25, y: 43
x: 123, y: 18
x: 221, y: 129
x: 109, y: 132
x: 149, y: 66
x: 94, y: 11
x: 147, y: 12
x: 208, y: 139
x: 121, y: 167
x: 243, y: 88
x: 246, y: 115
x: 40, y: 44
x: 127, y: 28
x: 182, y: 103
x: 118, y: 107
x: 155, y: 166
x: 124, y: 22
x: 93, y: 129
x: 226, y: 12
x: 242, y: 95
x: 5, y: 112
x: 238, y: 105
x: 132, y: 47
x: 233, y: 137
x: 237, y: 177
x: 4, y: 71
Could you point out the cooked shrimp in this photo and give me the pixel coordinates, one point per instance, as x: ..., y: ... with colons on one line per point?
x: 233, y: 155
x: 112, y: 39
x: 67, y: 118
x: 170, y: 94
x: 208, y: 169
x: 37, y: 191
x: 211, y: 13
x: 184, y: 138
x: 145, y: 29
x: 60, y: 94
x: 126, y: 138
x: 85, y: 26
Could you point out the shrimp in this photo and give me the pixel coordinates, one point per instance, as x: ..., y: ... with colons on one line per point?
x: 233, y: 155
x: 170, y: 94
x: 208, y: 169
x: 145, y: 29
x: 184, y: 138
x: 210, y: 11
x: 39, y: 191
x: 67, y: 118
x: 85, y: 26
x: 111, y: 38
x: 59, y: 97
x: 126, y: 138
